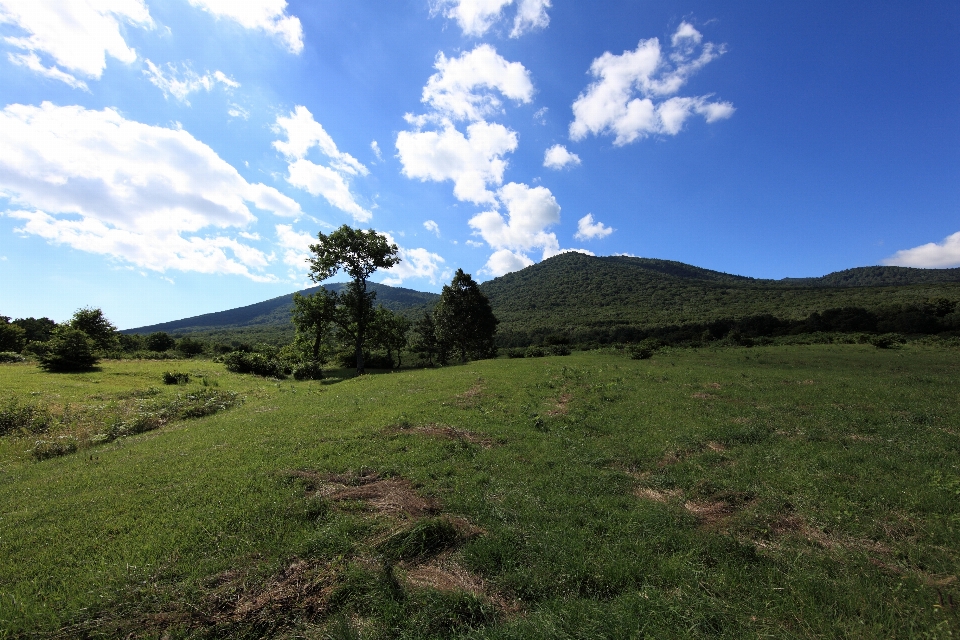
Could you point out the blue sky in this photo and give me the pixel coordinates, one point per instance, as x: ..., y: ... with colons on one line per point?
x: 165, y: 158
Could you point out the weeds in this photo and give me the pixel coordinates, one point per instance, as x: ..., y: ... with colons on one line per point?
x: 17, y: 417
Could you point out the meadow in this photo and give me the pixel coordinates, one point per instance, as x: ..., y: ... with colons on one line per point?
x: 776, y: 491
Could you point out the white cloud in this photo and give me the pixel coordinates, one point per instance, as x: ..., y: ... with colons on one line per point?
x: 101, y: 183
x: 627, y: 98
x: 557, y: 157
x: 295, y: 245
x: 77, y: 34
x: 587, y: 229
x: 531, y: 14
x: 540, y: 117
x: 472, y: 162
x: 236, y: 111
x: 432, y: 227
x: 303, y: 133
x: 476, y: 17
x: 181, y: 84
x: 530, y: 211
x: 269, y: 16
x: 32, y: 61
x: 375, y: 147
x: 942, y: 255
x: 414, y: 263
x: 462, y: 88
x: 505, y: 261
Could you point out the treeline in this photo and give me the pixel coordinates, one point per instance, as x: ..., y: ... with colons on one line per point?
x: 939, y: 316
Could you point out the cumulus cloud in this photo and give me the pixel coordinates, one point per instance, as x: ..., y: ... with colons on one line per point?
x: 505, y: 261
x: 414, y: 263
x: 101, y: 183
x: 269, y: 16
x: 77, y: 34
x: 530, y: 211
x: 471, y: 161
x: 462, y: 88
x: 432, y: 227
x: 180, y: 84
x: 629, y: 98
x: 933, y: 255
x: 476, y: 17
x: 557, y: 157
x: 303, y: 133
x: 531, y: 14
x: 588, y: 229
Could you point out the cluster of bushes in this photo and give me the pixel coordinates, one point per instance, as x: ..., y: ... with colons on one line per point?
x: 537, y: 351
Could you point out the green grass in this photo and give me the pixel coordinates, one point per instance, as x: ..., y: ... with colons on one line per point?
x: 765, y: 492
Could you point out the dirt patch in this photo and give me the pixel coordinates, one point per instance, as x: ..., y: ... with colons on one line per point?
x: 301, y: 586
x: 654, y: 495
x: 449, y: 433
x: 445, y: 574
x: 711, y: 512
x: 560, y: 408
x: 716, y: 446
x: 712, y: 385
x: 395, y: 496
x: 470, y: 397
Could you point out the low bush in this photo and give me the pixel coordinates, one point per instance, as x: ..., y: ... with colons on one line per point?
x: 516, y: 352
x: 255, y: 363
x: 68, y: 350
x: 645, y: 349
x: 887, y: 340
x: 534, y: 351
x: 176, y: 378
x: 560, y: 350
x: 8, y: 357
x: 307, y: 371
x: 23, y: 418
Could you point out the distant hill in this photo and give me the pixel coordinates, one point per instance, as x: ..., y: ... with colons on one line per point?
x: 588, y: 297
x: 271, y: 318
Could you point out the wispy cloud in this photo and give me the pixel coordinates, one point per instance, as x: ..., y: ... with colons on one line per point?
x: 269, y: 16
x: 181, y: 83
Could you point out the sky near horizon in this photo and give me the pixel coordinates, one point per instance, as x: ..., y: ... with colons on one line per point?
x: 161, y: 159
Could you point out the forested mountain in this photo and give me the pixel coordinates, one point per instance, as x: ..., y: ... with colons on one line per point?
x: 586, y: 297
x: 270, y: 319
x: 590, y: 298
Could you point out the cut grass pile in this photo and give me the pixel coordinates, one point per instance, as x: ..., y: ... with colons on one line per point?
x: 766, y: 492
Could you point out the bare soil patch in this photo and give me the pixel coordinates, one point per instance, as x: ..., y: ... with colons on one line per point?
x: 560, y: 405
x: 654, y: 495
x: 449, y: 433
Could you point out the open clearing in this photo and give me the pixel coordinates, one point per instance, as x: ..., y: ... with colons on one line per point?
x: 765, y: 492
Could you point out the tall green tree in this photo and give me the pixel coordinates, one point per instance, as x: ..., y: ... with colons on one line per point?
x: 465, y: 321
x: 38, y: 329
x: 358, y: 253
x: 389, y: 330
x: 314, y: 316
x: 12, y: 337
x: 93, y: 323
x: 425, y: 342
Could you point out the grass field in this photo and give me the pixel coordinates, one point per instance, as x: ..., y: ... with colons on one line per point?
x: 801, y: 492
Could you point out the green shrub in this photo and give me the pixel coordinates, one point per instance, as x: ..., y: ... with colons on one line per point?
x: 534, y: 351
x: 887, y: 340
x: 62, y: 446
x: 7, y: 357
x: 255, y: 363
x: 68, y: 350
x: 560, y: 350
x: 159, y: 341
x: 176, y: 378
x: 24, y: 418
x: 308, y: 371
x: 516, y: 352
x: 645, y: 349
x: 190, y: 347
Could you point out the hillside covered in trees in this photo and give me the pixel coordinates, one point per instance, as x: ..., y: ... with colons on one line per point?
x: 588, y: 299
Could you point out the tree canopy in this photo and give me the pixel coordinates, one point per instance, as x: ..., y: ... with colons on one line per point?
x: 465, y: 322
x: 358, y: 253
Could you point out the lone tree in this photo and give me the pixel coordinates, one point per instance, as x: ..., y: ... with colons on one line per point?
x: 93, y: 323
x: 465, y: 322
x: 358, y: 253
x: 68, y: 350
x: 425, y: 341
x: 313, y: 314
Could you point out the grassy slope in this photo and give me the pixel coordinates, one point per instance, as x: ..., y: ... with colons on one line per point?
x: 787, y: 492
x: 573, y: 292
